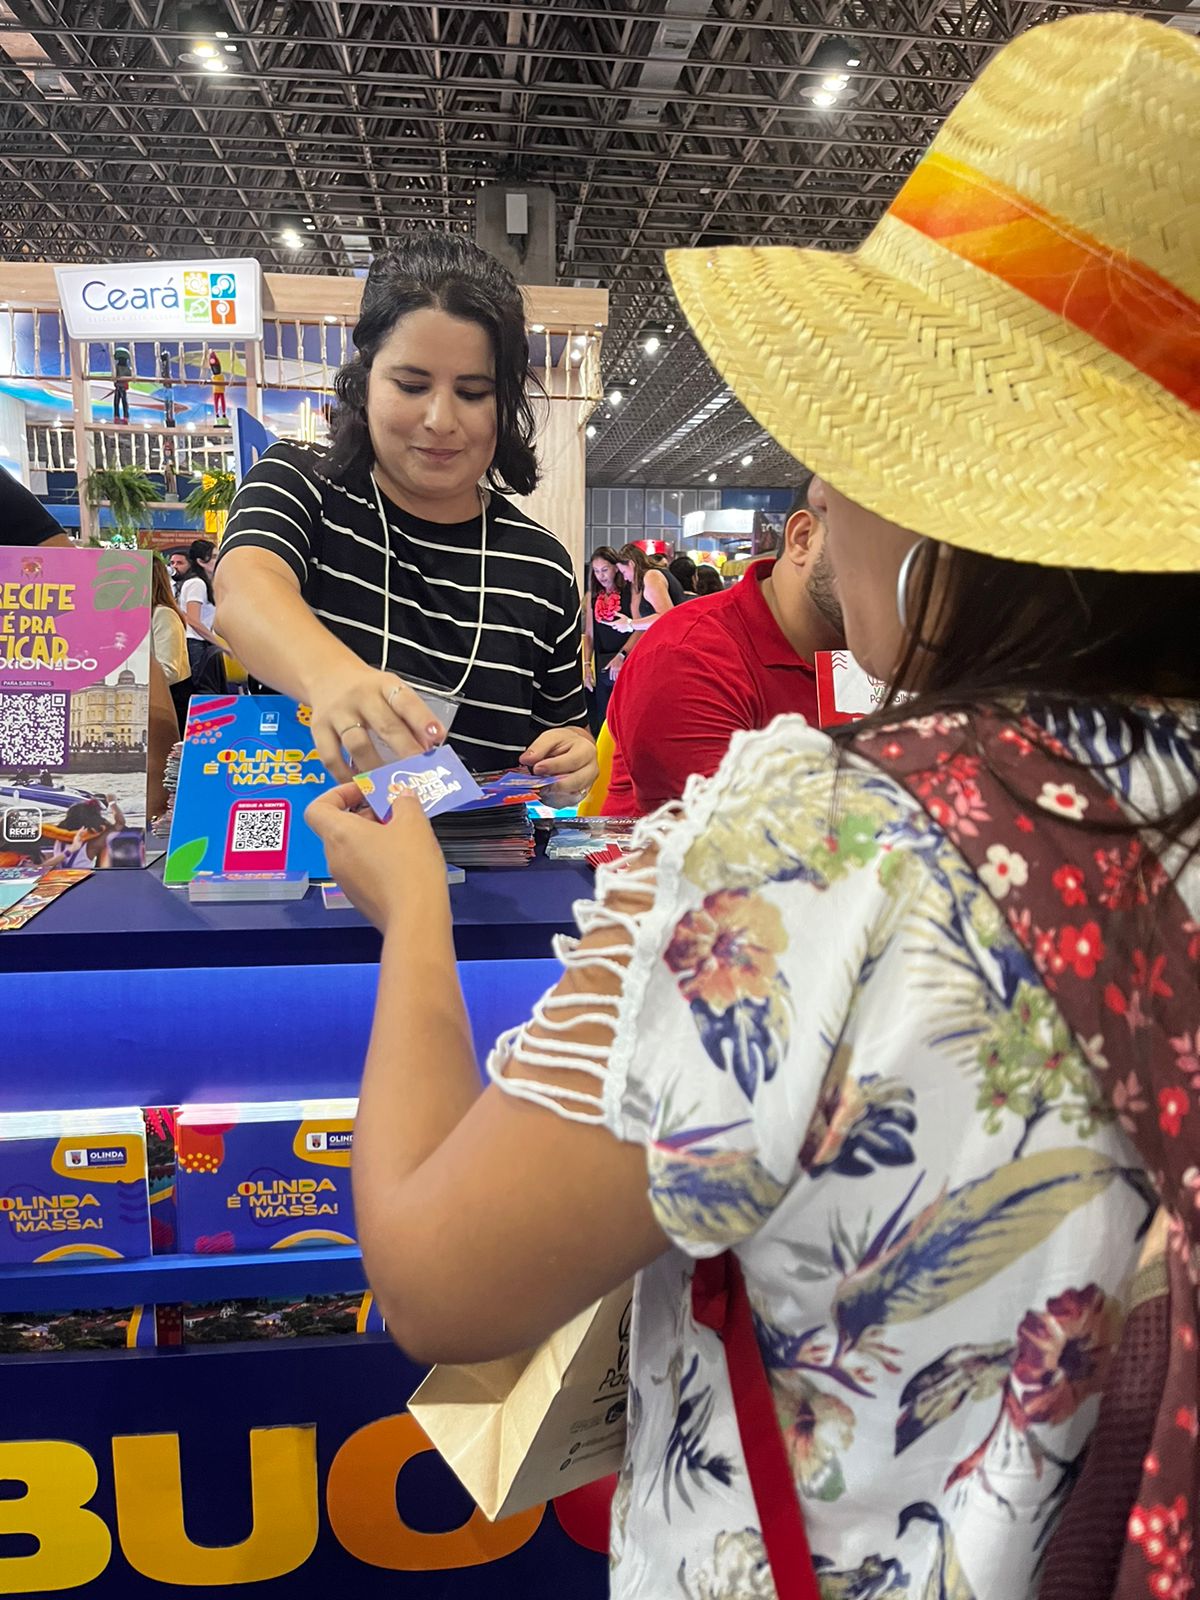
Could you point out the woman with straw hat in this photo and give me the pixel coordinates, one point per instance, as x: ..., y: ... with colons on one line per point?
x: 877, y: 1063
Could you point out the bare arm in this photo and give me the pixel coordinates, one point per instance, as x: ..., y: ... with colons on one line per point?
x: 589, y: 644
x: 277, y: 638
x: 482, y: 1263
x: 270, y: 627
x: 659, y: 596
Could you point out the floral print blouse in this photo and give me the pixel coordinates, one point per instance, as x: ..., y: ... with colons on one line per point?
x: 843, y: 1066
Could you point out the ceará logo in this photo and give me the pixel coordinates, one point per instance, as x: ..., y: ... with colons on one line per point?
x: 99, y: 295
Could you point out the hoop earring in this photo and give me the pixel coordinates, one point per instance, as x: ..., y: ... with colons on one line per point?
x: 902, y: 580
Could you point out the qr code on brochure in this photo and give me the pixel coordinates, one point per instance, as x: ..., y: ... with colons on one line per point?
x: 258, y: 830
x: 33, y: 730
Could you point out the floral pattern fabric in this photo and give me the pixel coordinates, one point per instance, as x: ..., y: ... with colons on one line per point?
x: 845, y: 1066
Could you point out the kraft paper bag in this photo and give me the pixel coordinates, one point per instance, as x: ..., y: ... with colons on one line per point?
x: 525, y: 1429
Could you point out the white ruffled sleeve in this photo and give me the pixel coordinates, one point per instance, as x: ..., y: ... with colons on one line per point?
x: 700, y: 1008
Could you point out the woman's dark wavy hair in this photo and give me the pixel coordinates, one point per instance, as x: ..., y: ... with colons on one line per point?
x: 603, y: 552
x: 443, y: 272
x: 985, y: 633
x: 636, y: 557
x: 200, y: 550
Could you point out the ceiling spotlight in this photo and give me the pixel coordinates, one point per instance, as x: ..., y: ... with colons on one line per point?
x: 214, y: 64
x: 592, y: 430
x: 581, y: 341
x: 835, y: 83
x: 538, y: 327
x: 231, y: 49
x: 576, y: 357
x: 652, y: 338
x: 824, y: 99
x: 712, y: 477
x: 615, y: 397
x: 747, y: 461
x: 291, y: 238
x: 329, y: 318
x: 203, y: 48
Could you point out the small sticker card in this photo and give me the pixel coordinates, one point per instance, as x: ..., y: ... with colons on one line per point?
x: 437, y: 778
x: 514, y: 788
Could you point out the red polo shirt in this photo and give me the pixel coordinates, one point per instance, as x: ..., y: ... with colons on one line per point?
x: 704, y: 670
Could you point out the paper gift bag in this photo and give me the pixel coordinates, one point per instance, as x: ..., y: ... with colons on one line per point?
x: 525, y: 1429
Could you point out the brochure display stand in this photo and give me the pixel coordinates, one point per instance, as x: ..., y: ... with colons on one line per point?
x: 281, y: 1467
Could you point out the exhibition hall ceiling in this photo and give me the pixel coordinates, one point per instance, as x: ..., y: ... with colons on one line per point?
x: 307, y: 132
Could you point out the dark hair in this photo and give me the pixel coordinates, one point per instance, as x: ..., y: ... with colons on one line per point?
x: 800, y: 498
x: 1057, y: 635
x: 603, y: 552
x: 636, y: 556
x: 799, y: 503
x: 444, y: 272
x: 85, y: 814
x: 161, y: 592
x: 683, y: 570
x: 708, y: 579
x: 200, y: 550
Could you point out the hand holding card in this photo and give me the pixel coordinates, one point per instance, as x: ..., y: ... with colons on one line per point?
x: 393, y: 873
x: 437, y: 778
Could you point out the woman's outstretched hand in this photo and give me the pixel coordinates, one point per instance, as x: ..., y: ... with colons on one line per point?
x: 388, y: 869
x: 361, y: 701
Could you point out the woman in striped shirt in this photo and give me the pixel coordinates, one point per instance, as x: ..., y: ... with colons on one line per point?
x: 349, y: 575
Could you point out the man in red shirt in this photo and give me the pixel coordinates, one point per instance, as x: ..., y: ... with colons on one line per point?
x: 720, y: 663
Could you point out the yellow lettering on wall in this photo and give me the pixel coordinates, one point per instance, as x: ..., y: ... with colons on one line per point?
x: 74, y: 1545
x: 360, y: 1496
x: 283, y: 1492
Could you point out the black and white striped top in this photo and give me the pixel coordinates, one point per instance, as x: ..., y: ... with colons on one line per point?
x: 527, y: 675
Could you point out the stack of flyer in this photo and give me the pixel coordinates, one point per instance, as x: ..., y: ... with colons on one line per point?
x: 581, y: 838
x: 267, y: 1175
x: 225, y: 888
x: 495, y: 835
x: 73, y: 1186
x: 480, y: 821
x: 162, y: 825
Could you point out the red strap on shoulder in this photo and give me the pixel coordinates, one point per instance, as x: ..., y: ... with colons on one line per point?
x: 720, y: 1302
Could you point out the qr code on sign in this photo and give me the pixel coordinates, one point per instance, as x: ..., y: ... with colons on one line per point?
x: 33, y: 730
x: 258, y: 830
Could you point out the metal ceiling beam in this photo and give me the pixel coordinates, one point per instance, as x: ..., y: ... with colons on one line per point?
x: 474, y: 150
x: 550, y: 89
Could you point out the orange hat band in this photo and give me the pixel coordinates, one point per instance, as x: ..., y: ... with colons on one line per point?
x: 1122, y: 304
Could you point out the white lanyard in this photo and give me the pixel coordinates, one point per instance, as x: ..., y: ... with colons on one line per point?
x: 387, y: 585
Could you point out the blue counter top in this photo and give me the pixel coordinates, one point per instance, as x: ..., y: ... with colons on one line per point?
x: 127, y: 919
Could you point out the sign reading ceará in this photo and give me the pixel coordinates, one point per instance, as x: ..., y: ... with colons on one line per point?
x: 162, y: 300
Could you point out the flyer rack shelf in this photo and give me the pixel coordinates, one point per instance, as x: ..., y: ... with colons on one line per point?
x: 169, y: 1280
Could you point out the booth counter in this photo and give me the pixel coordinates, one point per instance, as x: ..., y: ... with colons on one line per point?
x: 281, y: 1468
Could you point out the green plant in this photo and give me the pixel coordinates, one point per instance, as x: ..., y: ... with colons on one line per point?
x: 214, y: 492
x: 126, y: 491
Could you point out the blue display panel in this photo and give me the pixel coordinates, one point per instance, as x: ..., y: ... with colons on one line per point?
x: 163, y: 1035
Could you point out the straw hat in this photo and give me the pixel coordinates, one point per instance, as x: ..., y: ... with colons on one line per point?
x: 1011, y: 362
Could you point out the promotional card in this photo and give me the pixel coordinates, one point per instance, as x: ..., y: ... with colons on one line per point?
x: 248, y: 771
x: 437, y: 778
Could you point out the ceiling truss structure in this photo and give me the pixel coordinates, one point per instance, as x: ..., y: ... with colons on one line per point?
x: 658, y: 123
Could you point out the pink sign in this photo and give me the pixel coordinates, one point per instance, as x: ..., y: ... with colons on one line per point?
x: 74, y: 706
